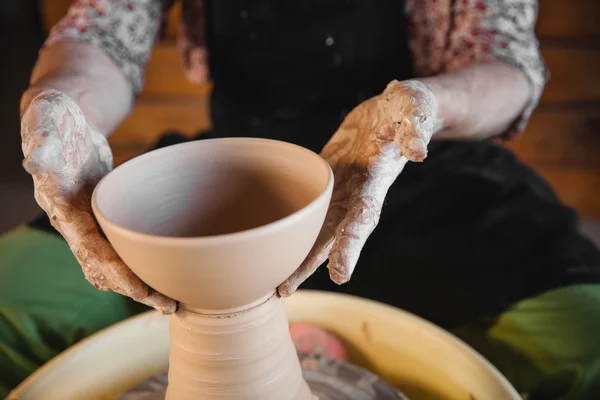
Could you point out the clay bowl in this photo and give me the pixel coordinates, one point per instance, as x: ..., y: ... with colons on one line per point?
x: 215, y: 224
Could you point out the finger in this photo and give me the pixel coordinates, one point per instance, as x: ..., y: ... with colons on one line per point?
x: 318, y: 254
x: 45, y: 158
x: 363, y: 213
x: 106, y: 271
x: 51, y: 119
x: 101, y: 265
x: 160, y: 302
x: 413, y: 145
x: 351, y: 235
x: 320, y: 250
x: 403, y: 116
x: 115, y: 276
x: 412, y: 110
x: 40, y: 142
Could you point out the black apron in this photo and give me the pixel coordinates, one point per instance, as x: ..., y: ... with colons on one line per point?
x: 464, y: 234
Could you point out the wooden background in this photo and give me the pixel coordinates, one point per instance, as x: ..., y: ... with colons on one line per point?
x: 562, y: 141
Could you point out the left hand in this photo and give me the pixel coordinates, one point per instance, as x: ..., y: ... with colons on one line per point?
x: 367, y: 153
x: 67, y: 156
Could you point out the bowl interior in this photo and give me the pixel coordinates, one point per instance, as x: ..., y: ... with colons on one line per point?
x: 211, y: 187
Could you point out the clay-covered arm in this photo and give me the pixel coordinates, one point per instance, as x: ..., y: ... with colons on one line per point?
x: 479, y: 54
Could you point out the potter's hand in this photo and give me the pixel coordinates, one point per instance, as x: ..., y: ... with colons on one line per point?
x: 367, y: 154
x: 67, y: 157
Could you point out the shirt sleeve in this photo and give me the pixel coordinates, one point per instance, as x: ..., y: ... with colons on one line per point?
x: 126, y: 30
x: 446, y: 35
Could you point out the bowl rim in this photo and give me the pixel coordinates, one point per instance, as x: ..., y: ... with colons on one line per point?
x: 212, y: 240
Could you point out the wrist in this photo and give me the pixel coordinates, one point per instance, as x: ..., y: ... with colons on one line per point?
x: 101, y: 110
x: 452, y: 102
x: 88, y: 76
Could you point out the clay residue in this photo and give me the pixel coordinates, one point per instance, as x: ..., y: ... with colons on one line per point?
x: 366, y: 330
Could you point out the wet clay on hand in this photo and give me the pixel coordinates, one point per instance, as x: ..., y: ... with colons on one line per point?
x: 218, y: 225
x: 66, y: 157
x: 367, y: 153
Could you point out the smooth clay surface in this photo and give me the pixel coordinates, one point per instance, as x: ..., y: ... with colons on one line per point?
x: 243, y: 355
x: 217, y: 225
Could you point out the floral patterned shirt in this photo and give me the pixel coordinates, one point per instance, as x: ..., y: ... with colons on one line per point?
x: 444, y: 35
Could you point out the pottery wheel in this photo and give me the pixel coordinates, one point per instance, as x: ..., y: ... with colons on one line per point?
x: 328, y: 380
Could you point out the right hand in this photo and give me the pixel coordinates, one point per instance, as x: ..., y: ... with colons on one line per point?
x: 67, y: 157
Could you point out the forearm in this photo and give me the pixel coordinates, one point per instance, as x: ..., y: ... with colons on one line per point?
x: 89, y: 76
x: 479, y: 101
x: 97, y: 54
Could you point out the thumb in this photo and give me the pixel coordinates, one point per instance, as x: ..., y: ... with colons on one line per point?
x: 41, y: 144
x: 48, y: 117
x: 45, y: 157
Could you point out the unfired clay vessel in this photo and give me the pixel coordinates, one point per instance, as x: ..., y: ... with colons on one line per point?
x: 218, y: 225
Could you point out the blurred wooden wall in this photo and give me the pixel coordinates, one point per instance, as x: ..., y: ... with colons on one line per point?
x: 562, y: 141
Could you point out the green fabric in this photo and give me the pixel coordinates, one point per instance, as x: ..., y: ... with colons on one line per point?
x: 45, y: 303
x: 548, y: 346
